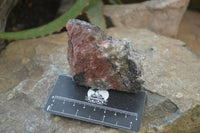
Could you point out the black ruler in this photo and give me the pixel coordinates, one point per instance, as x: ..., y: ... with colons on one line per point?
x: 110, y: 108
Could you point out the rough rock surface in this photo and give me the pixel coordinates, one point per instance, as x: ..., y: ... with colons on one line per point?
x: 167, y: 71
x: 28, y: 73
x: 160, y: 16
x: 99, y: 61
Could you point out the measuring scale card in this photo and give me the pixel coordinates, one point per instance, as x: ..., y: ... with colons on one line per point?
x: 110, y: 108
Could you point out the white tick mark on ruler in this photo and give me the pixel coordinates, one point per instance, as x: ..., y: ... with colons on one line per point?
x: 104, y: 111
x: 84, y: 106
x: 103, y: 117
x: 74, y: 104
x: 115, y: 114
x: 94, y: 109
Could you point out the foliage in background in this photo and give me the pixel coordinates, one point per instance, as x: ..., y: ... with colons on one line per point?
x: 95, y: 14
x: 48, y: 28
x: 93, y: 9
x: 115, y: 1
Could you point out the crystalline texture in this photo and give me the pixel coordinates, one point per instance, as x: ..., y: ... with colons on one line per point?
x: 99, y: 61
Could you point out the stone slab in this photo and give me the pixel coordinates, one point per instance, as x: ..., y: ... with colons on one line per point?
x: 29, y: 69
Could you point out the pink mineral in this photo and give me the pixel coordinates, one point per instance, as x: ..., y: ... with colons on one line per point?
x: 99, y: 61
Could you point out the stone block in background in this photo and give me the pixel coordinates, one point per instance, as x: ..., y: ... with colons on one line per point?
x: 160, y: 16
x: 189, y: 30
x: 28, y: 73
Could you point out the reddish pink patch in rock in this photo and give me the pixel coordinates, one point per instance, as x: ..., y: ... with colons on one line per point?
x: 85, y: 57
x: 104, y: 44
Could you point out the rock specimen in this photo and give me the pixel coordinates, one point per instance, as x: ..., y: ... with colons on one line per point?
x: 99, y: 61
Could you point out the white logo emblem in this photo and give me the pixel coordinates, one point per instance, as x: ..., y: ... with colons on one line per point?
x: 97, y: 96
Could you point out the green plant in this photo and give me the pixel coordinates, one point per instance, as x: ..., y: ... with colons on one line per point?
x: 93, y: 9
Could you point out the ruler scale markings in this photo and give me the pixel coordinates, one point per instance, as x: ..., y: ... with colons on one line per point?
x: 95, y: 105
x: 67, y: 99
x: 89, y: 118
x: 72, y: 116
x: 76, y: 115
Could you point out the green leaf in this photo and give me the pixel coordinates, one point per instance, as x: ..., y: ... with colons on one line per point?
x: 95, y: 14
x: 48, y: 28
x: 115, y: 1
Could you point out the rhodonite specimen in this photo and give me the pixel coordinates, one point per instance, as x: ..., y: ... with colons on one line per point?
x: 99, y: 61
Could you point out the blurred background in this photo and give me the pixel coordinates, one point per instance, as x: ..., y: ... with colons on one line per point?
x: 183, y: 22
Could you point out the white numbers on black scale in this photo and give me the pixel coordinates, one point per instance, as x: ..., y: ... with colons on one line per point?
x: 103, y: 117
x: 76, y: 112
x: 130, y: 124
x: 53, y: 98
x: 125, y: 115
x: 48, y: 108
